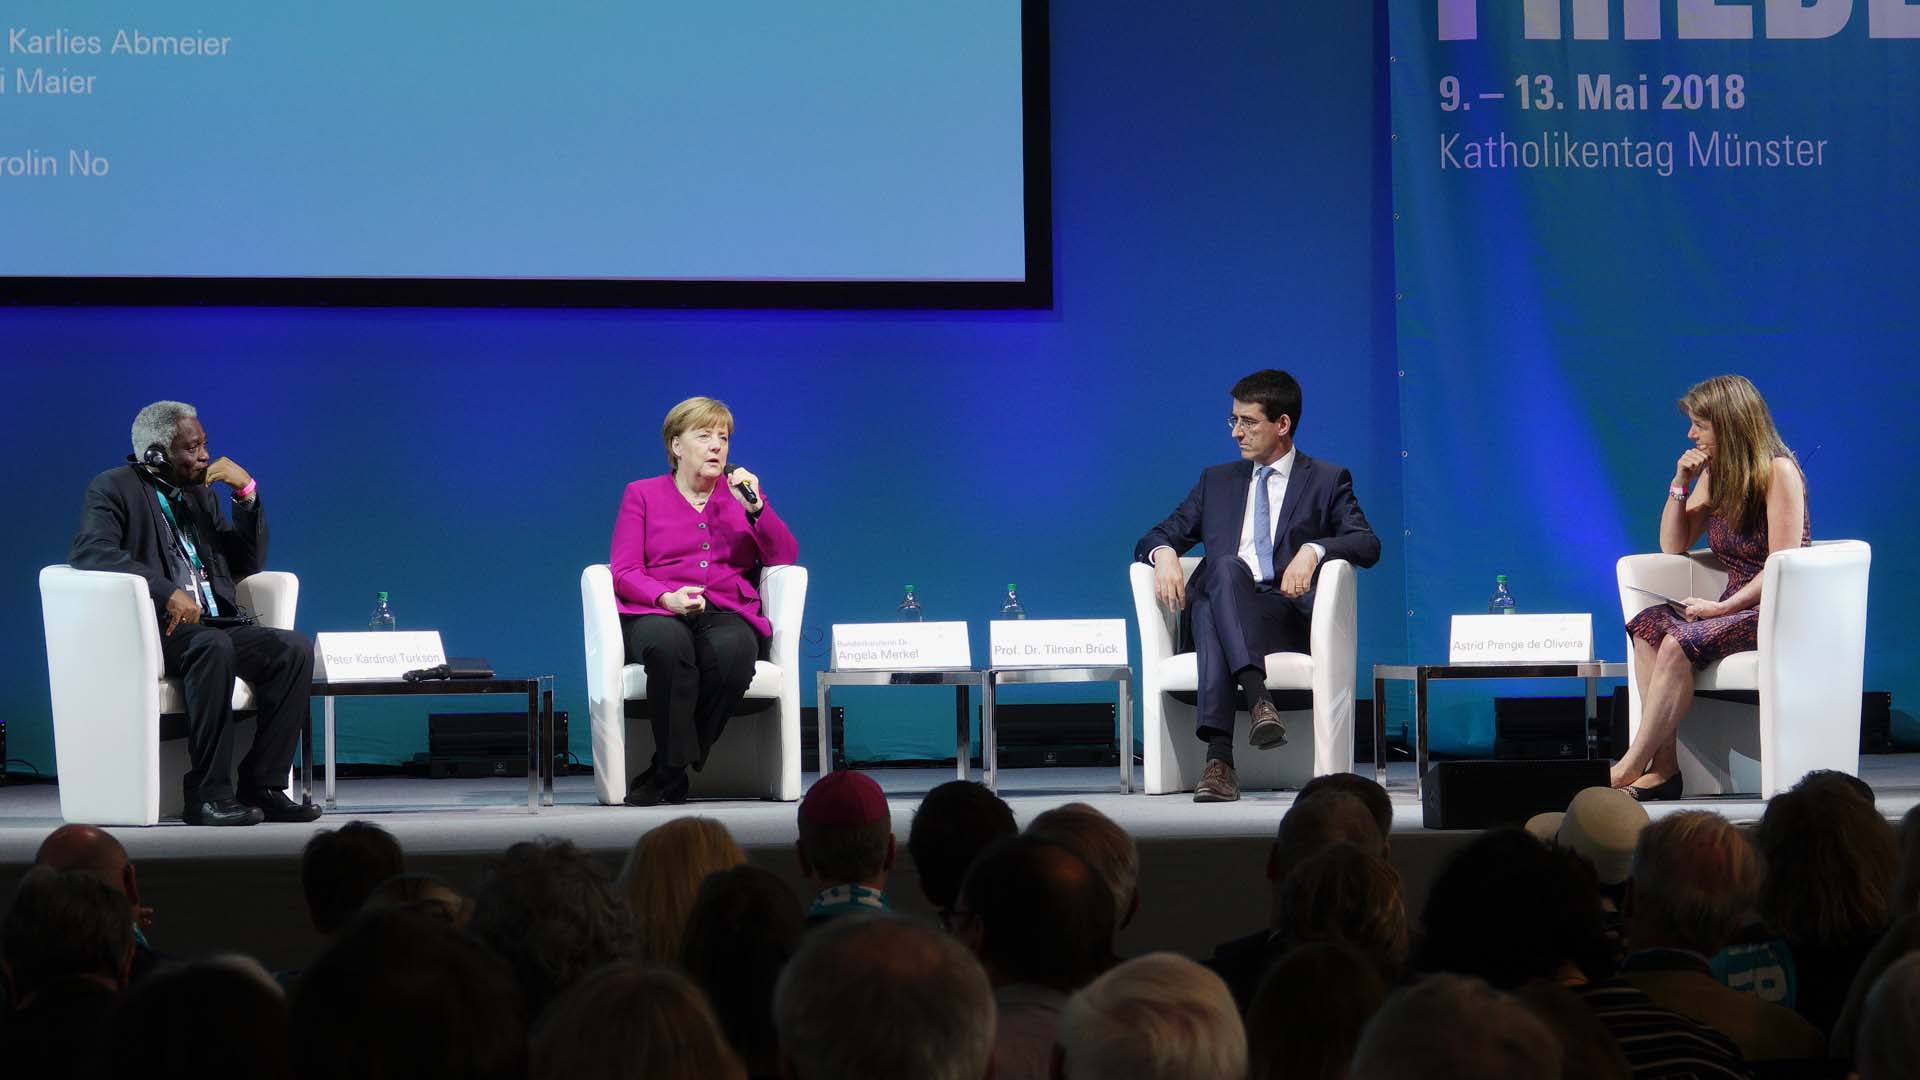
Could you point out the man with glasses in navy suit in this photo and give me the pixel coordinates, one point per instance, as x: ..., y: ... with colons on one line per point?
x: 1268, y: 521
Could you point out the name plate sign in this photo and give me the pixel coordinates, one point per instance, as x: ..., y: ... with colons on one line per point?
x: 1524, y: 638
x: 1057, y: 642
x: 889, y: 646
x: 375, y: 654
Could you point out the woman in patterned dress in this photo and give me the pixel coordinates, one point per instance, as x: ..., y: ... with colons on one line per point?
x: 1741, y: 486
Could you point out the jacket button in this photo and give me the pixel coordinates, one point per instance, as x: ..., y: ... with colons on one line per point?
x: 703, y: 524
x: 703, y: 564
x: 704, y: 545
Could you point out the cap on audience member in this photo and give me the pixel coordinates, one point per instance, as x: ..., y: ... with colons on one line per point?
x: 663, y: 871
x: 846, y: 832
x: 1888, y: 1045
x: 1600, y: 825
x: 1107, y: 847
x: 630, y: 1020
x: 1452, y: 1027
x: 402, y: 996
x: 844, y: 797
x: 953, y: 824
x: 1155, y: 1017
x: 340, y: 868
x: 1037, y: 914
x: 1367, y: 791
x: 883, y: 996
x: 551, y: 911
x: 223, y: 1017
x: 744, y: 927
x: 64, y: 926
x: 1306, y: 1018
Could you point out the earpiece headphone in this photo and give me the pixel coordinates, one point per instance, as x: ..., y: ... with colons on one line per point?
x: 155, y: 457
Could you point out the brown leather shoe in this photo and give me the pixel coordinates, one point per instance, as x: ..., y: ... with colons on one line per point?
x: 1267, y: 731
x: 1217, y: 784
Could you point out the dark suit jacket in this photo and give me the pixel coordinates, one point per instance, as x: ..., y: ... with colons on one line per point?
x: 1243, y: 964
x: 1319, y: 508
x: 123, y: 530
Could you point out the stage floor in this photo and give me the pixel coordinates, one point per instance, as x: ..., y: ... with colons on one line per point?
x: 1201, y: 864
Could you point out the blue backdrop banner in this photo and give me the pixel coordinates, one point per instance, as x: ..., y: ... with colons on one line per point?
x: 1598, y: 203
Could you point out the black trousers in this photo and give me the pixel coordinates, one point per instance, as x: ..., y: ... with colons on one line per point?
x: 698, y: 667
x: 278, y: 664
x: 1236, y: 623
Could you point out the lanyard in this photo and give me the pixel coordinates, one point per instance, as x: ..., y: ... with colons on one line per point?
x: 193, y: 555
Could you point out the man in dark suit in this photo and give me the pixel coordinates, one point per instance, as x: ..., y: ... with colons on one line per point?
x: 157, y: 517
x: 1268, y: 521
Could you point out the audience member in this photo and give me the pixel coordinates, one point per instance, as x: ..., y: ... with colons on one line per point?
x: 1902, y: 938
x: 1451, y: 1027
x: 744, y: 928
x: 662, y: 873
x: 1367, y: 791
x: 1155, y: 1017
x: 340, y: 868
x: 1693, y: 875
x: 67, y: 944
x: 1346, y: 895
x: 1306, y: 1018
x: 1041, y: 920
x: 85, y: 849
x: 1906, y: 883
x: 423, y: 894
x: 1830, y: 861
x: 1839, y: 781
x: 552, y: 913
x: 401, y: 996
x: 1588, y: 1050
x: 1101, y: 841
x: 1329, y: 817
x: 1601, y: 825
x: 1889, y: 1047
x: 846, y: 845
x: 881, y: 996
x: 632, y: 1019
x: 955, y: 822
x: 224, y: 1017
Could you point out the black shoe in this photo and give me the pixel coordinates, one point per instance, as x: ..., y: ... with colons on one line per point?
x: 1266, y: 730
x: 277, y: 807
x: 656, y: 786
x: 1669, y: 788
x: 221, y: 812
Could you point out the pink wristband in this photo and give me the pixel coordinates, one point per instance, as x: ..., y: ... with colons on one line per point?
x: 246, y: 493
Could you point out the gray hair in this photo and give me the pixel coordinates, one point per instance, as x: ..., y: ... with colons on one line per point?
x: 1888, y: 1044
x: 1694, y: 875
x: 879, y: 995
x: 1099, y: 840
x: 156, y: 424
x: 1155, y: 1016
x: 1453, y: 1026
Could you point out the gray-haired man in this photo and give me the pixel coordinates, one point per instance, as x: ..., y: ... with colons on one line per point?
x: 156, y: 517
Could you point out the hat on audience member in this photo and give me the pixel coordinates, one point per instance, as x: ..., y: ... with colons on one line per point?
x: 1601, y: 825
x: 844, y: 798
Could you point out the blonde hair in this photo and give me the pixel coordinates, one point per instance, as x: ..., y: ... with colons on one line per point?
x: 662, y: 876
x: 1745, y: 443
x: 692, y: 415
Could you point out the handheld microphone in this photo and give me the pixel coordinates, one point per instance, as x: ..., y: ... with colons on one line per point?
x: 745, y: 487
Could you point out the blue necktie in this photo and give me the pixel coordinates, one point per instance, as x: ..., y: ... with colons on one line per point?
x: 1262, y: 523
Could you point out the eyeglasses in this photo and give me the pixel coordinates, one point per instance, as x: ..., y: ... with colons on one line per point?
x: 1235, y: 423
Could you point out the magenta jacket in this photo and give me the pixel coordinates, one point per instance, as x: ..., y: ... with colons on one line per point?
x: 660, y: 543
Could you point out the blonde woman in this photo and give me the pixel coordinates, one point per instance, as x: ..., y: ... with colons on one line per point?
x: 662, y: 876
x: 1742, y: 487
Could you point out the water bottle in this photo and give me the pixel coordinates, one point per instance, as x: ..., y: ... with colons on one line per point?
x: 1502, y: 602
x: 910, y: 608
x: 1012, y: 609
x: 382, y: 614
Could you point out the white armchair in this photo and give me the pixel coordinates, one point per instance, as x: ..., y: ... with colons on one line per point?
x: 1807, y: 672
x: 110, y: 691
x: 759, y: 754
x: 1175, y: 759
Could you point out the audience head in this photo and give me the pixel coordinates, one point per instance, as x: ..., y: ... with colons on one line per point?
x: 846, y: 831
x: 1694, y: 876
x: 1588, y: 1051
x: 1601, y: 825
x: 955, y: 822
x: 1837, y: 780
x: 1888, y: 1044
x: 883, y: 996
x: 340, y: 869
x: 1330, y: 817
x: 551, y: 911
x: 1906, y: 885
x: 1507, y: 908
x: 1452, y: 1027
x: 218, y: 1018
x: 632, y: 1020
x: 664, y: 870
x: 400, y: 996
x: 86, y: 849
x: 64, y: 926
x: 423, y: 894
x: 1101, y: 841
x: 1830, y: 864
x: 1342, y: 894
x: 1036, y: 913
x: 1305, y: 1021
x: 744, y: 927
x: 1360, y: 787
x: 1155, y: 1017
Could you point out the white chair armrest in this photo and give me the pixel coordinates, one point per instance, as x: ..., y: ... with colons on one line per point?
x: 783, y: 598
x: 1157, y: 625
x: 606, y: 646
x: 1696, y: 573
x: 274, y: 596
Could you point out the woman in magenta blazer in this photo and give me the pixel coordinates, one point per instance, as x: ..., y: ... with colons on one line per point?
x: 687, y: 550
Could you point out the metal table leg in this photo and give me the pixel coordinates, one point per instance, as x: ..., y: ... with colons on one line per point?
x: 963, y: 734
x: 546, y: 719
x: 1420, y: 734
x: 332, y: 771
x: 1593, y: 715
x: 533, y: 747
x: 1380, y: 731
x: 823, y: 723
x: 306, y: 760
x: 989, y: 740
x: 1125, y: 716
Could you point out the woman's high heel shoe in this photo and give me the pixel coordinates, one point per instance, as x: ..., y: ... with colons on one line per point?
x: 1669, y: 788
